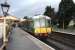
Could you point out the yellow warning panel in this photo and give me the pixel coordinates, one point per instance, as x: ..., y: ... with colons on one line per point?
x: 42, y: 30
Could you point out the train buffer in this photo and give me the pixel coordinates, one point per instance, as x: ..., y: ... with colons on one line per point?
x: 21, y: 40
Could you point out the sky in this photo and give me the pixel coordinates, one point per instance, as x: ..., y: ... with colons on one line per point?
x: 21, y: 8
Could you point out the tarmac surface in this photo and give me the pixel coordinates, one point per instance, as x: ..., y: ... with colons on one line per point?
x: 18, y: 41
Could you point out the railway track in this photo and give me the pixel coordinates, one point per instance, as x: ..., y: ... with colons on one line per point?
x: 61, y: 41
x: 64, y: 38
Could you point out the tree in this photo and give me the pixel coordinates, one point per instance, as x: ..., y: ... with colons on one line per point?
x: 25, y: 17
x: 49, y: 11
x: 66, y: 10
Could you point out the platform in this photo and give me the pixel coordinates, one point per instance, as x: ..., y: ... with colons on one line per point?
x: 66, y: 31
x: 21, y: 40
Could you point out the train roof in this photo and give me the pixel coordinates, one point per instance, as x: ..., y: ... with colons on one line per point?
x: 41, y: 16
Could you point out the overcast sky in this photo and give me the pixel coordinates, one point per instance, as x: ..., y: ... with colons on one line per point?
x: 21, y: 8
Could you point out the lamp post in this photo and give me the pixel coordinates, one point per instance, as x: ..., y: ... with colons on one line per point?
x: 5, y: 7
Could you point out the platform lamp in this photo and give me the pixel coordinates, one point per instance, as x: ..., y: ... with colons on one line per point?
x: 5, y: 7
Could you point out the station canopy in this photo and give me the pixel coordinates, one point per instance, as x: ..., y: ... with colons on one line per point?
x: 9, y: 17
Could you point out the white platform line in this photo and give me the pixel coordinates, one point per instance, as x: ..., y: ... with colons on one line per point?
x: 41, y: 44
